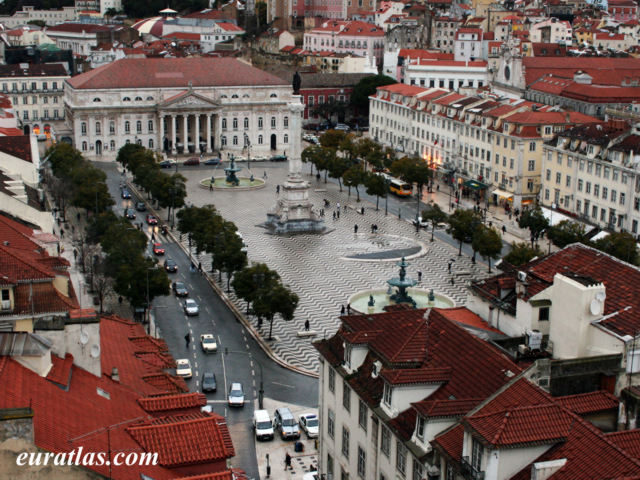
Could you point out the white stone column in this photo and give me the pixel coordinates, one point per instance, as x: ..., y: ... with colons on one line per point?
x: 161, y: 135
x: 295, y: 138
x: 173, y: 134
x: 196, y: 139
x: 208, y: 133
x: 185, y: 136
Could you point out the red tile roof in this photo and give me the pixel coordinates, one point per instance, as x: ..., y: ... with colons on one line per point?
x: 450, y: 442
x: 162, y: 403
x: 603, y: 70
x: 18, y: 146
x: 403, y: 89
x: 416, y: 375
x: 60, y: 372
x: 446, y: 407
x: 590, y: 402
x: 628, y: 440
x: 174, y: 72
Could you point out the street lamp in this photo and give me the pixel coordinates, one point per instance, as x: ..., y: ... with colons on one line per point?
x: 261, y: 390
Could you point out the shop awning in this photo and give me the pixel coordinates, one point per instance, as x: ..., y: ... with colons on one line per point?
x: 502, y: 193
x: 475, y: 185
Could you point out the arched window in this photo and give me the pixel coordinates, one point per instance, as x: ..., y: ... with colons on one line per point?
x: 150, y: 124
x: 286, y: 138
x: 260, y: 123
x: 127, y: 127
x: 96, y: 100
x: 112, y: 127
x: 224, y: 124
x: 223, y: 141
x: 223, y: 96
x: 128, y: 141
x: 84, y: 146
x: 139, y: 126
x: 126, y: 99
x: 235, y: 140
x: 273, y: 122
x: 234, y: 96
x: 246, y: 95
x: 112, y: 145
x: 235, y: 123
x: 139, y: 142
x: 151, y: 143
x: 150, y: 98
x: 138, y: 99
x: 260, y: 139
x: 286, y: 122
x: 246, y: 123
x: 83, y: 128
x: 98, y: 128
x: 273, y: 95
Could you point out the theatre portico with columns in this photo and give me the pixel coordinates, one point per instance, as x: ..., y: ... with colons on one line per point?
x: 180, y: 106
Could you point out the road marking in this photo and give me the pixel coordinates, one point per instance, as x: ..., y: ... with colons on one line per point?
x: 247, y: 346
x: 224, y: 374
x: 195, y: 363
x: 253, y: 373
x: 254, y: 386
x: 251, y: 363
x: 283, y: 385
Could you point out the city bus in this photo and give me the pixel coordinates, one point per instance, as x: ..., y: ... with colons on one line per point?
x: 400, y: 188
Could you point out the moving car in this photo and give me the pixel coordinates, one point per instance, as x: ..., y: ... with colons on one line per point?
x: 209, y: 382
x: 170, y: 265
x: 192, y: 162
x: 183, y: 368
x: 208, y: 343
x: 158, y: 249
x: 180, y: 289
x: 309, y: 423
x: 212, y: 161
x: 286, y: 423
x: 342, y: 126
x: 125, y: 193
x: 141, y: 207
x: 262, y: 425
x: 259, y: 158
x: 236, y: 395
x: 152, y: 220
x: 167, y: 163
x: 421, y: 222
x: 129, y: 213
x: 278, y: 158
x: 191, y: 307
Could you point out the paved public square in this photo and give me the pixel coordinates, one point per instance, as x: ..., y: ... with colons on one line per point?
x: 326, y: 269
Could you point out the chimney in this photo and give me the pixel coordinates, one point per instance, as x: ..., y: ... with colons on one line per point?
x: 115, y: 375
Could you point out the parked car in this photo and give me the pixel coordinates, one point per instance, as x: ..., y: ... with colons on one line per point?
x: 421, y: 222
x: 286, y: 423
x: 191, y: 307
x: 192, y: 162
x: 152, y: 220
x: 126, y: 194
x: 278, y: 158
x: 180, y: 289
x: 342, y: 126
x: 208, y: 343
x: 167, y: 163
x: 236, y: 395
x: 212, y: 161
x: 262, y: 425
x: 183, y: 368
x: 141, y: 207
x: 259, y: 158
x: 309, y: 423
x: 170, y: 265
x: 209, y: 382
x: 158, y: 249
x: 129, y: 213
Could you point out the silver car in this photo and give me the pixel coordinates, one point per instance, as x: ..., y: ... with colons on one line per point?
x: 191, y: 307
x: 236, y: 395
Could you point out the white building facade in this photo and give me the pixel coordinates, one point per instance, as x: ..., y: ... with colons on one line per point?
x: 187, y: 105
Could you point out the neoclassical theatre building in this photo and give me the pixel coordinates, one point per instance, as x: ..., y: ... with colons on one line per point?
x: 179, y: 106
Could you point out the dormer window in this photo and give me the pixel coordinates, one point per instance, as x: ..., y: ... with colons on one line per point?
x: 421, y: 425
x: 476, y: 455
x: 6, y: 299
x: 386, y: 396
x: 347, y: 355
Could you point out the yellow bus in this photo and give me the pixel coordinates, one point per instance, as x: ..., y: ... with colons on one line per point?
x: 400, y: 188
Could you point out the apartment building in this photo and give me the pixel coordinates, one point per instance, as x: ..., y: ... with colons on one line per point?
x: 591, y: 171
x: 498, y: 143
x: 36, y: 91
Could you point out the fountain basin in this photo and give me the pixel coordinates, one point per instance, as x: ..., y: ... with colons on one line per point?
x: 220, y: 183
x: 359, y: 301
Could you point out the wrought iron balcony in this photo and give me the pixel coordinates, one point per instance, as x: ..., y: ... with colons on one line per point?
x: 469, y: 471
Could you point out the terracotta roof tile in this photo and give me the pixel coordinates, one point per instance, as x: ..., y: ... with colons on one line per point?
x: 173, y: 402
x: 590, y: 402
x: 416, y: 375
x: 446, y: 407
x: 60, y: 372
x: 17, y: 146
x: 628, y: 440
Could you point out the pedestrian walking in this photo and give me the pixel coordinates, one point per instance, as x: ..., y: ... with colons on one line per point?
x: 437, y: 187
x: 342, y: 309
x: 200, y: 267
x: 373, y: 228
x: 362, y: 210
x: 348, y: 309
x: 306, y: 325
x: 287, y: 461
x: 277, y: 189
x: 338, y: 213
x: 338, y: 206
x: 504, y: 229
x: 62, y: 232
x: 355, y: 229
x: 75, y: 254
x: 419, y: 275
x: 211, y: 186
x: 334, y: 215
x: 449, y: 265
x: 187, y: 339
x: 264, y: 175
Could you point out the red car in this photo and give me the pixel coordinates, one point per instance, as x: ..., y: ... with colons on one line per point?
x: 158, y: 249
x: 151, y: 220
x: 193, y: 161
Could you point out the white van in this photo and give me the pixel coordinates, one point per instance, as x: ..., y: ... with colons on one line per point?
x: 262, y: 425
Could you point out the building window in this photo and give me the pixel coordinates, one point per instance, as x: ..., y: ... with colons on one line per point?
x: 532, y: 165
x: 345, y: 441
x: 401, y: 458
x: 246, y: 123
x: 385, y: 441
x: 329, y: 470
x: 223, y: 140
x: 84, y: 146
x: 387, y: 395
x: 331, y: 423
x: 346, y: 396
x: 362, y: 461
x: 260, y: 123
x: 558, y: 177
x: 224, y: 124
x: 150, y: 126
x: 151, y: 143
x: 260, y: 139
x: 420, y: 426
x: 418, y: 470
x: 622, y: 198
x: 112, y: 127
x: 273, y: 122
x: 235, y: 140
x: 476, y: 455
x: 362, y: 414
x: 285, y: 138
x: 112, y: 145
x: 568, y: 181
x: 234, y: 123
x: 286, y: 122
x: 127, y: 127
x: 543, y: 314
x: 83, y: 128
x: 332, y: 377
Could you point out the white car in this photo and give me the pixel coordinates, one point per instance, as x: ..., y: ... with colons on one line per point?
x: 183, y: 368
x: 236, y: 395
x: 208, y: 343
x: 191, y: 307
x: 259, y: 158
x: 309, y: 423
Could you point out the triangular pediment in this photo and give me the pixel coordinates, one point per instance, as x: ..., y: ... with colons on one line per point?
x: 188, y: 99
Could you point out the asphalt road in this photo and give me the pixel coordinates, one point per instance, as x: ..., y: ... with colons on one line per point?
x: 245, y: 362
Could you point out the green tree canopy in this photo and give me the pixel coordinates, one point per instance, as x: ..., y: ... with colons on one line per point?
x: 535, y: 221
x: 354, y: 177
x: 435, y: 215
x: 63, y: 159
x: 487, y: 242
x: 250, y: 281
x: 367, y: 87
x: 462, y: 225
x: 277, y: 300
x: 621, y: 245
x: 522, y: 253
x: 376, y: 185
x: 566, y: 232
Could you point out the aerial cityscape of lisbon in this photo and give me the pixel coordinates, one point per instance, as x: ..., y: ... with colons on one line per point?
x: 320, y: 239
